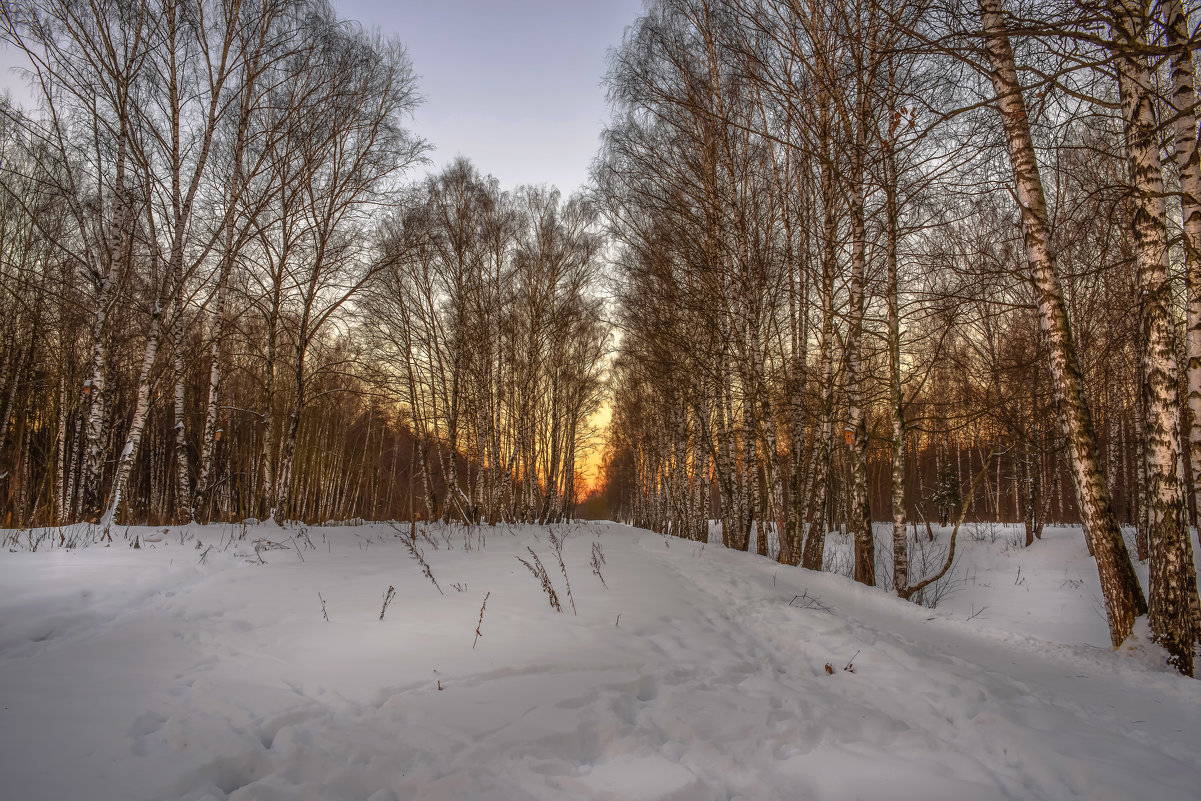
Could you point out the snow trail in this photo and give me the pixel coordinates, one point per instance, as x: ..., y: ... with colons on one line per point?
x: 146, y: 675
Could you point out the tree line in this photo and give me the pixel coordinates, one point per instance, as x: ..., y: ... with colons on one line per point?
x: 222, y: 296
x: 911, y: 260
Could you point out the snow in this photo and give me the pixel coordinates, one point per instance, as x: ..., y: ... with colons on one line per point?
x: 200, y: 667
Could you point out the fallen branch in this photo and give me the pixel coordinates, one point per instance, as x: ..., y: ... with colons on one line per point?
x: 909, y: 592
x: 810, y: 602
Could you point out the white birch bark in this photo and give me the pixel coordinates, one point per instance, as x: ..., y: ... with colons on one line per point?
x: 896, y: 401
x: 815, y: 540
x: 1119, y: 585
x: 1172, y: 573
x: 1188, y: 166
x: 138, y: 424
x: 61, y: 468
x: 860, y: 509
x: 94, y: 398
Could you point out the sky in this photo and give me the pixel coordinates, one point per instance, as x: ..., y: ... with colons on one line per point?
x: 514, y: 85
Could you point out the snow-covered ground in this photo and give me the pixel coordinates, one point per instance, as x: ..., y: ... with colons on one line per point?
x: 192, y: 669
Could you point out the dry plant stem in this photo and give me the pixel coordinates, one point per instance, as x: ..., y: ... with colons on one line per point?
x: 557, y: 543
x: 479, y: 624
x: 539, y: 572
x: 389, y: 594
x: 420, y: 558
x: 598, y: 559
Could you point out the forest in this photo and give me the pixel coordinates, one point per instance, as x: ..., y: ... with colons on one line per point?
x: 914, y: 261
x: 226, y: 296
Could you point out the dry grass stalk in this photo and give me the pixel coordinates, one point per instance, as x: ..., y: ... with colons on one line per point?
x: 416, y: 554
x: 478, y: 625
x: 557, y: 544
x: 389, y: 594
x: 598, y: 559
x: 543, y: 577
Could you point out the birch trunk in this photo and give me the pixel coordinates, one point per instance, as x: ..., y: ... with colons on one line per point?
x: 1188, y: 166
x: 774, y: 466
x: 1139, y: 492
x: 737, y: 425
x: 94, y: 399
x: 267, y: 460
x: 860, y: 506
x: 283, y: 479
x: 790, y: 545
x: 896, y: 401
x: 725, y: 463
x: 1123, y: 596
x: 74, y: 467
x: 201, y: 502
x: 183, y: 193
x: 138, y: 424
x: 799, y: 482
x: 1172, y: 573
x: 815, y: 540
x: 61, y: 468
x: 14, y: 370
x: 183, y: 486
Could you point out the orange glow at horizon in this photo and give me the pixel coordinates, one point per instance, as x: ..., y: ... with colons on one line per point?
x: 590, y: 464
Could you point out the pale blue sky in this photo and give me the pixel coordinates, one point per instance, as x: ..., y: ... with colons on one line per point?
x: 512, y: 84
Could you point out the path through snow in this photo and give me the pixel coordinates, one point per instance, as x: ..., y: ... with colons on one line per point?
x: 146, y: 675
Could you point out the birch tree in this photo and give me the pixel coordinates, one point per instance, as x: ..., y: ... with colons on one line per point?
x: 1123, y: 596
x: 1172, y: 577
